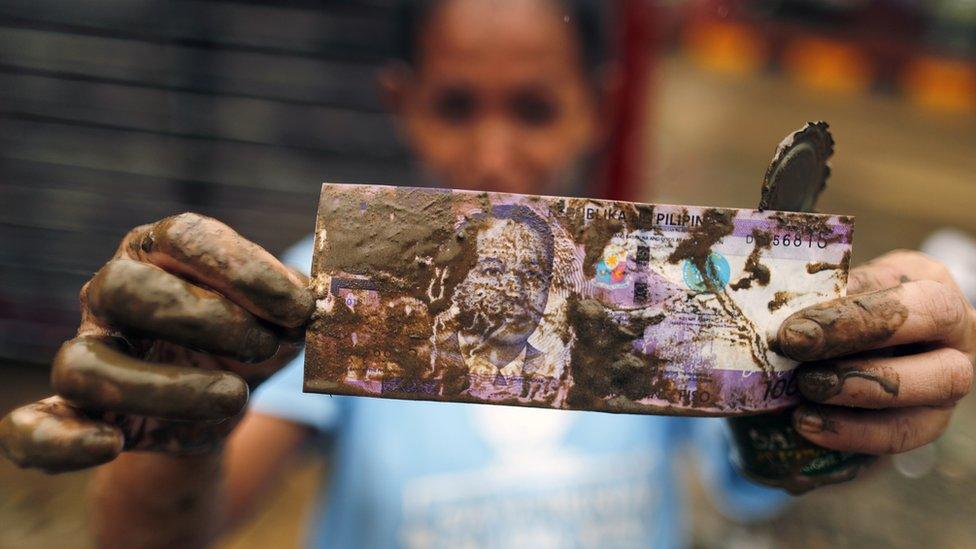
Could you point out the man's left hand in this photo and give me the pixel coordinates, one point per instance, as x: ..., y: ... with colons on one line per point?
x: 885, y: 365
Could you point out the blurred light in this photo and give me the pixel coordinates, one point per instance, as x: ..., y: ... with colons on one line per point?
x: 957, y: 251
x: 916, y: 463
x: 941, y: 84
x: 956, y: 450
x: 827, y: 64
x: 726, y: 46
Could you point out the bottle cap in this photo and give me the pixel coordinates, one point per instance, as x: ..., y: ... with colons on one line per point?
x: 799, y: 170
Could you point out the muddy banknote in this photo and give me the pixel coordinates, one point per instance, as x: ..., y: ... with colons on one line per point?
x: 562, y: 302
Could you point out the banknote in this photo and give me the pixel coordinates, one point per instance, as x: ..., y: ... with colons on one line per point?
x: 567, y: 303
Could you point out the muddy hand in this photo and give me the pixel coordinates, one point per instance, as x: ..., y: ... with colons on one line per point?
x: 886, y: 364
x: 176, y: 329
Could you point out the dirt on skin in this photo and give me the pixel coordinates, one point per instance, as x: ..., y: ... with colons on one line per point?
x: 146, y: 302
x: 840, y: 327
x: 212, y: 254
x: 183, y: 292
x: 52, y: 436
x: 94, y: 373
x: 825, y: 381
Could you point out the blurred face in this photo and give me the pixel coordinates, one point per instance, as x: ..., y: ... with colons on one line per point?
x: 503, y: 297
x: 498, y: 100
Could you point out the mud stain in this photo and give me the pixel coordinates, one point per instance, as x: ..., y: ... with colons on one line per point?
x: 818, y: 266
x: 145, y: 301
x: 595, y: 237
x: 755, y: 271
x: 716, y: 225
x: 403, y: 240
x: 604, y: 362
x: 780, y: 299
x: 823, y: 382
x: 212, y: 254
x: 843, y: 326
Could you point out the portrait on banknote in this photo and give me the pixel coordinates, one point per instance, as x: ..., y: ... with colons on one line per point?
x: 485, y: 344
x: 561, y: 302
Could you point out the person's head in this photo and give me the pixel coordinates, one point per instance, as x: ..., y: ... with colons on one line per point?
x: 500, y: 95
x: 503, y: 297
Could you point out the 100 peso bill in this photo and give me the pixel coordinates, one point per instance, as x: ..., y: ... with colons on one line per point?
x: 562, y: 302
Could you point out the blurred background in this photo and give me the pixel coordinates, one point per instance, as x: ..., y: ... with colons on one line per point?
x: 119, y: 112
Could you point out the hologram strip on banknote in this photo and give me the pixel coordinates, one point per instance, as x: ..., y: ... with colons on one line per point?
x: 567, y: 303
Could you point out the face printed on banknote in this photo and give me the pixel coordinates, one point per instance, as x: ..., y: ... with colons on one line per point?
x: 502, y: 298
x: 484, y: 342
x: 566, y: 303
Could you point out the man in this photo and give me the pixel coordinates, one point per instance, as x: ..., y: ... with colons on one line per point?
x: 495, y: 96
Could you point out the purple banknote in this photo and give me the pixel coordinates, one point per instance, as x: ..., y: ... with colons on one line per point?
x: 565, y: 303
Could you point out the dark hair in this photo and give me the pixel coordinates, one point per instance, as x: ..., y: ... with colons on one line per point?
x: 586, y: 16
x: 524, y: 215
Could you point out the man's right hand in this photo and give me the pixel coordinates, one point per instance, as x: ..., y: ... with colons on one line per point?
x: 186, y: 318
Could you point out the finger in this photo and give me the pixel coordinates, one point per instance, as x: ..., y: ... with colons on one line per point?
x: 933, y: 378
x: 164, y: 353
x: 913, y: 312
x: 895, y: 268
x: 182, y: 438
x: 92, y: 374
x: 890, y: 431
x: 144, y: 300
x: 52, y: 436
x: 209, y: 252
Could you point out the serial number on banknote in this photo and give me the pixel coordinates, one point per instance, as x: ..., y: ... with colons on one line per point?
x: 566, y: 303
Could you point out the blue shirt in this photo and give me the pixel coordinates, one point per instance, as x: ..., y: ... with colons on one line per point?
x: 423, y: 474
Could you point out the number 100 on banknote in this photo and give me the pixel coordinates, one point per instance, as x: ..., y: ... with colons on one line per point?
x: 566, y: 303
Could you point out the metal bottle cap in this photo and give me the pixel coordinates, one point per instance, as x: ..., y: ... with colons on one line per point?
x: 798, y: 172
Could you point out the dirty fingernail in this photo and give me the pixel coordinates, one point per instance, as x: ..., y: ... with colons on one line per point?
x: 809, y: 420
x: 259, y: 344
x: 104, y: 443
x: 818, y: 383
x: 229, y: 394
x: 801, y: 338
